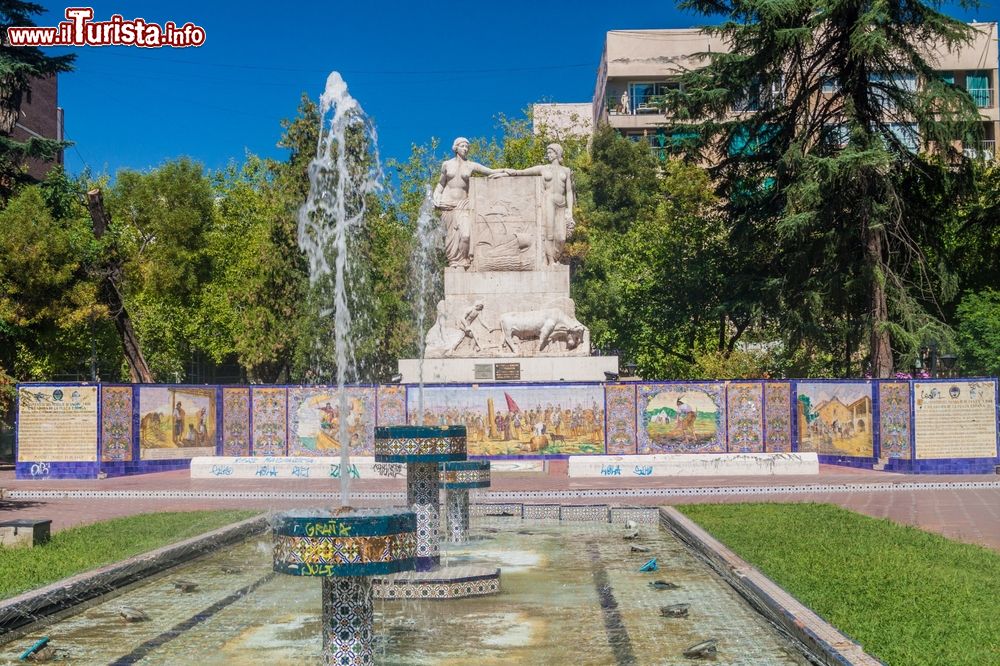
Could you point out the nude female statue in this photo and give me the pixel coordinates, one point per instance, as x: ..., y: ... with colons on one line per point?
x: 557, y: 202
x: 451, y: 197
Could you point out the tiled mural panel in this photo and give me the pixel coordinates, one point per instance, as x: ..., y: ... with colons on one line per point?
x: 744, y: 412
x: 270, y: 421
x: 682, y: 418
x: 235, y: 421
x: 620, y: 400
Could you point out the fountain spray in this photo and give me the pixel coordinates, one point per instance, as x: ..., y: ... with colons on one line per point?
x: 345, y: 171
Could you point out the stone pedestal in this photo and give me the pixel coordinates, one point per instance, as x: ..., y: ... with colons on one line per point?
x: 500, y: 369
x: 422, y: 448
x: 507, y: 314
x: 24, y: 532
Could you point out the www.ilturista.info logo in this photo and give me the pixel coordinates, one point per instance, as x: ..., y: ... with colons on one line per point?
x: 80, y: 30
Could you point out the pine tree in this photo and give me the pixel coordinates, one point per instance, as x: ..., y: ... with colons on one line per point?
x: 814, y: 119
x: 19, y: 67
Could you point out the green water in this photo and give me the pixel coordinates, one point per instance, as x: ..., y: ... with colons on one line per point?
x: 548, y: 611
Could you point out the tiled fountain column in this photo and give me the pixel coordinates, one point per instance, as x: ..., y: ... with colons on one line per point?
x: 458, y: 478
x: 422, y: 448
x: 346, y: 550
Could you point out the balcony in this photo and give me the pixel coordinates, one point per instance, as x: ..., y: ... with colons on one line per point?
x: 637, y: 105
x: 985, y: 150
x: 983, y: 97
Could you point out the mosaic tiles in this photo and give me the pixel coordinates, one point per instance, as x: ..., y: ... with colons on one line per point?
x: 620, y: 436
x: 235, y: 421
x: 512, y: 420
x: 894, y: 419
x: 348, y: 622
x: 777, y: 417
x: 423, y: 498
x: 681, y: 418
x: 359, y: 543
x: 501, y: 509
x: 269, y: 423
x: 598, y: 512
x: 391, y: 405
x: 323, y: 556
x: 541, y: 512
x: 314, y: 421
x: 466, y: 474
x: 116, y: 423
x: 744, y: 409
x: 459, y: 589
x: 458, y: 516
x: 409, y: 444
x: 835, y: 418
x: 643, y: 515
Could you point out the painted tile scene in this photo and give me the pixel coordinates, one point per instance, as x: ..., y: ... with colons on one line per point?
x: 681, y: 418
x: 516, y: 420
x: 176, y: 422
x: 835, y: 418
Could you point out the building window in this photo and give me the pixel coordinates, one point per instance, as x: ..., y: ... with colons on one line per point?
x: 882, y: 84
x: 947, y: 77
x: 907, y: 135
x: 977, y: 83
x: 836, y: 135
x: 647, y: 97
x: 830, y: 85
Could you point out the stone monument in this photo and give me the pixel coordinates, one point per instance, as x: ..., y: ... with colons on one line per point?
x: 506, y: 314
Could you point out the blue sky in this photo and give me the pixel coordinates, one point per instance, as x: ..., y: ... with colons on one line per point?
x: 420, y: 69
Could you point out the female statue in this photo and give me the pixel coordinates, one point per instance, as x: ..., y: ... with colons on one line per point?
x: 557, y: 202
x: 451, y: 197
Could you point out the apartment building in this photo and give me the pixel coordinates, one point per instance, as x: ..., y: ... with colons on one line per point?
x: 639, y: 66
x: 40, y: 116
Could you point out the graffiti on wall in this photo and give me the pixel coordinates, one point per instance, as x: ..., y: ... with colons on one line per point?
x: 835, y: 418
x: 519, y: 420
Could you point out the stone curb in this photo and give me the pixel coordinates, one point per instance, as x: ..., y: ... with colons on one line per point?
x: 822, y: 640
x: 55, y: 599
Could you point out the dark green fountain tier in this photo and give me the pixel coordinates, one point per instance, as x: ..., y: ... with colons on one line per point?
x: 419, y: 444
x: 465, y: 474
x: 356, y: 543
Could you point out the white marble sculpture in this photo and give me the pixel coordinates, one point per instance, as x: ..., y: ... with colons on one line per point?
x: 557, y: 201
x: 451, y: 198
x: 506, y: 292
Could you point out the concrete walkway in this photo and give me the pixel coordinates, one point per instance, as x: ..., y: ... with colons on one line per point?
x: 965, y: 508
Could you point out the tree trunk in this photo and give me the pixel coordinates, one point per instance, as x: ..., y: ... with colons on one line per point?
x: 881, y: 347
x: 138, y: 369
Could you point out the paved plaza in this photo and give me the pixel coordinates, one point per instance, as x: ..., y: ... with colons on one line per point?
x: 965, y: 508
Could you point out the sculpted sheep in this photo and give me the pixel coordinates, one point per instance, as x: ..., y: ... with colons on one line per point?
x: 544, y: 324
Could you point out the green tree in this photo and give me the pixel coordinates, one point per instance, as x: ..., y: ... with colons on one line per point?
x: 657, y: 277
x: 979, y: 332
x: 251, y: 307
x: 19, y: 68
x: 160, y: 224
x: 51, y: 322
x: 813, y: 119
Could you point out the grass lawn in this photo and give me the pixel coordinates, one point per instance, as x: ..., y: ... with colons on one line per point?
x: 79, y: 549
x: 908, y: 596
